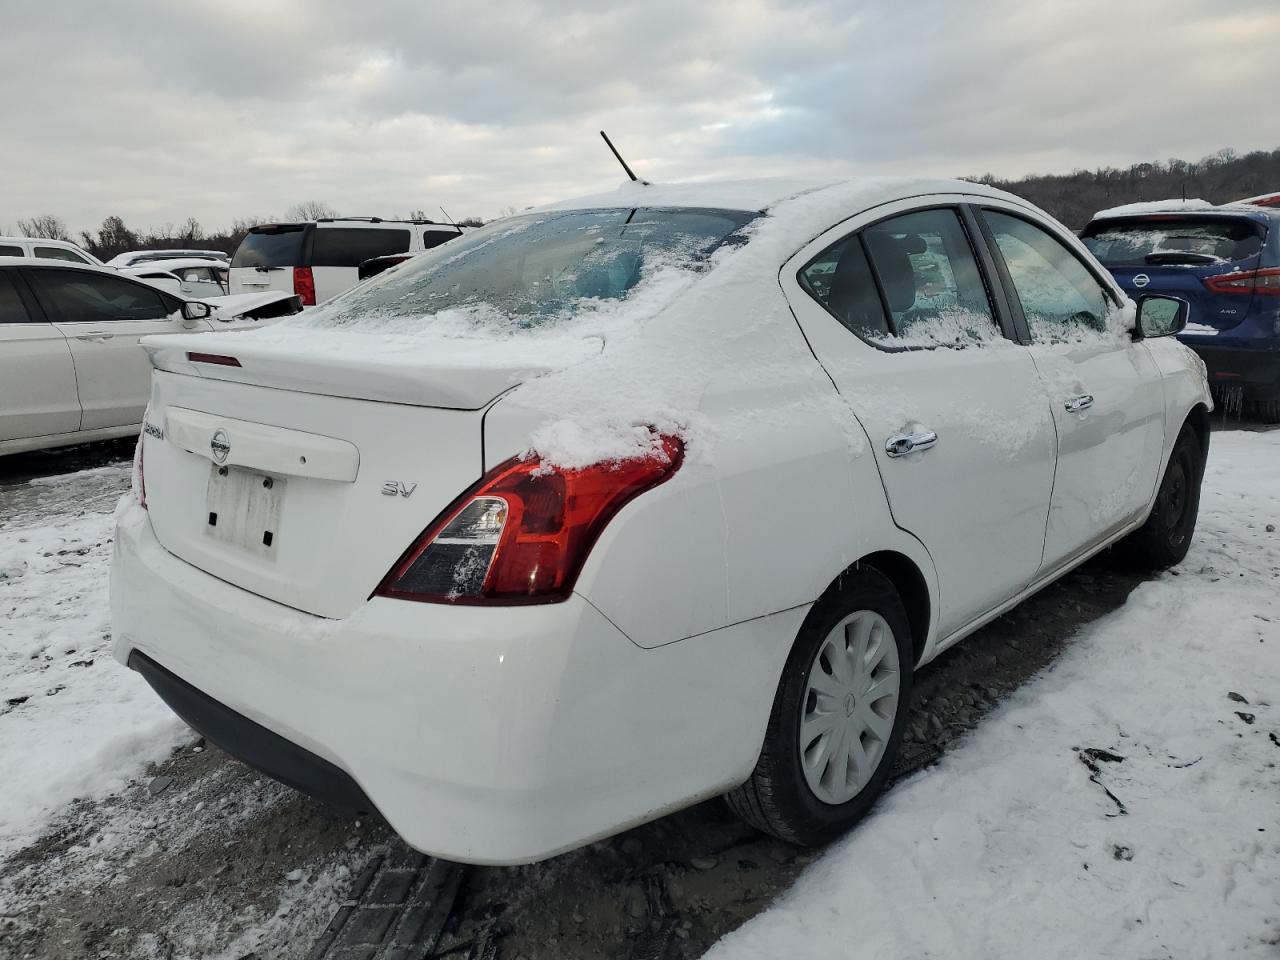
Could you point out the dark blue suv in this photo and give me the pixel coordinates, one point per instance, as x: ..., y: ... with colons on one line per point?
x: 1224, y: 261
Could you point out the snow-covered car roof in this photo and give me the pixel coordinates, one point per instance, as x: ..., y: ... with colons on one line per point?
x: 135, y: 258
x: 794, y: 203
x: 60, y: 264
x: 1198, y: 207
x: 179, y: 263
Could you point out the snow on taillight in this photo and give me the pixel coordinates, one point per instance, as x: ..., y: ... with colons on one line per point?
x: 304, y: 285
x: 1265, y: 282
x: 522, y: 534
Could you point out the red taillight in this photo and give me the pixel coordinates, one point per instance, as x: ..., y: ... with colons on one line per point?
x: 304, y: 285
x: 522, y: 534
x: 215, y: 358
x: 1265, y: 282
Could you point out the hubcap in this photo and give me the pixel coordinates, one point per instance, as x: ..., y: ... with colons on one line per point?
x: 850, y: 704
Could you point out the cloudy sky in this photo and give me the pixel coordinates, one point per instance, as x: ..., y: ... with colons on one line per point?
x: 159, y: 111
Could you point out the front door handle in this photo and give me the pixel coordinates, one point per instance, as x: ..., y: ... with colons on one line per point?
x: 900, y: 444
x: 95, y: 337
x: 1076, y: 404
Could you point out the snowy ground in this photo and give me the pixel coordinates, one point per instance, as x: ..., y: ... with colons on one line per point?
x: 1126, y: 804
x: 1167, y: 707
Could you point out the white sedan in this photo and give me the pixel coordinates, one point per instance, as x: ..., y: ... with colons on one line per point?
x: 643, y: 498
x: 71, y: 368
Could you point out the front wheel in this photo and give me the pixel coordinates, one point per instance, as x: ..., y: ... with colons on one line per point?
x: 1166, y: 536
x: 838, y: 715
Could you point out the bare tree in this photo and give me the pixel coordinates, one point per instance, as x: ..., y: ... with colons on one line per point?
x: 471, y: 222
x: 310, y: 210
x: 44, y: 227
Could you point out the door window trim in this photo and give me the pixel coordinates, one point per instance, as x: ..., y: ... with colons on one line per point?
x: 1001, y: 315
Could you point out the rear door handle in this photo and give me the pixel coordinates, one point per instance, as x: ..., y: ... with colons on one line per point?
x: 1076, y: 404
x: 900, y: 444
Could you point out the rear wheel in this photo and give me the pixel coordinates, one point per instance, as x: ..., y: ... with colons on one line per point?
x: 838, y: 715
x: 1166, y: 536
x: 1268, y: 411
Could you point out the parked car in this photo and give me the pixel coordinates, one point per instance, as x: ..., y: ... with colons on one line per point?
x: 523, y: 593
x: 71, y: 369
x: 134, y: 258
x: 186, y: 276
x: 319, y: 259
x: 1225, y: 261
x: 376, y: 265
x: 46, y: 249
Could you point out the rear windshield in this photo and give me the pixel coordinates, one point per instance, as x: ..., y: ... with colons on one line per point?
x: 271, y: 247
x: 352, y: 246
x: 1151, y: 241
x: 538, y: 266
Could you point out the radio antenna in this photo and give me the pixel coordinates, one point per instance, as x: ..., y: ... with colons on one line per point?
x: 630, y: 173
x: 447, y: 217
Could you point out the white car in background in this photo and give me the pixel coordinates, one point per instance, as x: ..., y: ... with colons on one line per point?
x: 319, y: 259
x: 46, y: 249
x: 642, y: 498
x: 188, y: 277
x: 134, y: 258
x: 71, y: 369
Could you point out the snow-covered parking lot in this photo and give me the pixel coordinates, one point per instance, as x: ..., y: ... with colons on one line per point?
x: 1123, y: 802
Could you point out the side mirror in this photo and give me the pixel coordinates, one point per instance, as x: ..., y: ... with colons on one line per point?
x: 1161, y: 316
x: 193, y: 310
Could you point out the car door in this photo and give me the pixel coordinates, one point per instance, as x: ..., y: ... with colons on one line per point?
x: 37, y: 376
x: 899, y: 312
x: 1104, y: 388
x: 103, y: 316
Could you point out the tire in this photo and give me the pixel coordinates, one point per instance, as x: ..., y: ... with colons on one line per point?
x: 782, y: 796
x: 1165, y: 538
x: 1268, y: 411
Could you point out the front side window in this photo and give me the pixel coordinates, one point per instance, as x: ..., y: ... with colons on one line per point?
x: 911, y: 280
x: 352, y: 246
x: 533, y: 269
x: 59, y: 253
x: 12, y: 309
x: 1060, y: 297
x: 83, y: 297
x: 7, y: 251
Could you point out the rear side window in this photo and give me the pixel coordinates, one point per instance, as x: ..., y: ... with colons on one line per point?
x: 433, y: 238
x: 273, y: 247
x: 840, y: 279
x: 12, y: 252
x: 1161, y: 239
x: 910, y: 280
x: 59, y: 253
x: 12, y: 309
x: 351, y: 246
x: 82, y: 297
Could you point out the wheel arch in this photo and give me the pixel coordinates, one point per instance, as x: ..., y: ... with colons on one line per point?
x: 1198, y: 417
x: 908, y: 579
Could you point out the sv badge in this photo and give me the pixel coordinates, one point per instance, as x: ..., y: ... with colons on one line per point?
x: 398, y: 488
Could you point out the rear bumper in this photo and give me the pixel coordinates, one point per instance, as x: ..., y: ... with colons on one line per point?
x: 1255, y: 370
x: 493, y: 736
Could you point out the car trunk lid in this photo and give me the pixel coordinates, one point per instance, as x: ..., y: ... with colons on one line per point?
x: 304, y: 480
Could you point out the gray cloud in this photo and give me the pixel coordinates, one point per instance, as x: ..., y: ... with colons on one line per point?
x: 156, y: 111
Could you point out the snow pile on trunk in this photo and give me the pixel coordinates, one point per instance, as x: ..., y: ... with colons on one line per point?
x: 1126, y: 804
x: 72, y: 722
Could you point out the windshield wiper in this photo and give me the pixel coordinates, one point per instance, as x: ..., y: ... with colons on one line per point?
x: 1180, y: 256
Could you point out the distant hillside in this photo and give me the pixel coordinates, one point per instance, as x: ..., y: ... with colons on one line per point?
x: 1074, y: 197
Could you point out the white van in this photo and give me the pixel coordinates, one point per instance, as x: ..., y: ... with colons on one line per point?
x: 319, y: 259
x: 46, y: 250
